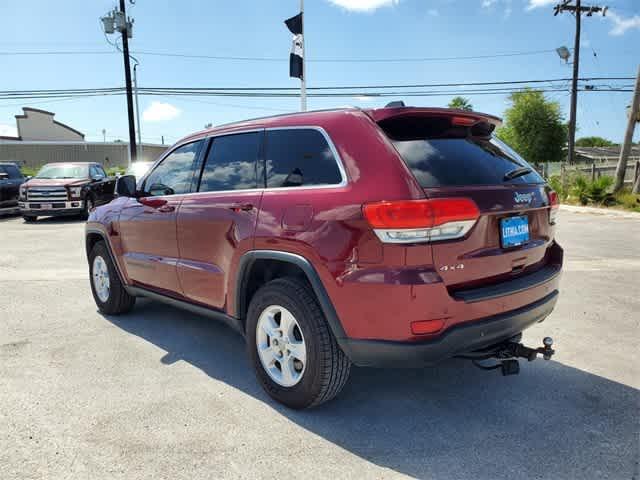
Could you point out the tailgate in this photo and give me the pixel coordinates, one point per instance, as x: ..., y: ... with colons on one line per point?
x: 480, y: 258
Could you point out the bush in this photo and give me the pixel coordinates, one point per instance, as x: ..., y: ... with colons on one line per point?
x: 113, y: 171
x: 28, y: 171
x: 555, y: 182
x: 596, y: 191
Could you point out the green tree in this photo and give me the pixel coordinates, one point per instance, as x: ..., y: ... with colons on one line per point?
x: 594, y: 142
x: 534, y: 127
x: 461, y: 103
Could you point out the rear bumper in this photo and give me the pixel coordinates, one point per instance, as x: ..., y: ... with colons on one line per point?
x: 459, y: 339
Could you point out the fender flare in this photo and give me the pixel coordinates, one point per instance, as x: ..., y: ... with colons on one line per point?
x: 106, y: 241
x: 244, y: 267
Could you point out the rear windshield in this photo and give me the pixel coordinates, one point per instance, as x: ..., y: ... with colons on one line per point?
x: 441, y: 155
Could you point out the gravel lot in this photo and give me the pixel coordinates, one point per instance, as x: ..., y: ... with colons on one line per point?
x: 165, y: 394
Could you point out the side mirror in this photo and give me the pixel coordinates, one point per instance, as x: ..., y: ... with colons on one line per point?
x: 4, y: 176
x: 126, y: 186
x: 160, y: 190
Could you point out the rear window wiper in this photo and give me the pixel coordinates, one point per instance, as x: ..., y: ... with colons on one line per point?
x: 518, y: 172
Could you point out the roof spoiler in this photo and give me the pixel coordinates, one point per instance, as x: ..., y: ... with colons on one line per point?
x: 380, y: 114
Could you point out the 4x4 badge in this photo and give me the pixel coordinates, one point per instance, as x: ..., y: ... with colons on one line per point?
x: 459, y: 266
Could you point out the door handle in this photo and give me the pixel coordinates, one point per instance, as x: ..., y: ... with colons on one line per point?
x: 153, y: 202
x: 241, y: 207
x: 167, y: 208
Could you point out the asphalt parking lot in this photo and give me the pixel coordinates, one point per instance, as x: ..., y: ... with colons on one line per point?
x: 161, y: 393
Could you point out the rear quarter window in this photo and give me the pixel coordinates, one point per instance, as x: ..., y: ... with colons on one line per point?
x: 299, y: 157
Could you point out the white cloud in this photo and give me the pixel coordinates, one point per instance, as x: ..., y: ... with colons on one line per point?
x: 622, y: 24
x: 364, y: 98
x: 160, y: 112
x: 503, y: 6
x: 8, y: 130
x: 540, y: 3
x: 364, y: 5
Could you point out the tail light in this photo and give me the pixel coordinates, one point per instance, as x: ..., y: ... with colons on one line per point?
x: 555, y: 205
x: 419, y: 221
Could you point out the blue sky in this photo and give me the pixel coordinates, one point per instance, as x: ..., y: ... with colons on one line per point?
x: 334, y: 29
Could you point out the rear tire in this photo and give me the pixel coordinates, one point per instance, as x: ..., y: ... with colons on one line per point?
x: 108, y: 292
x: 89, y: 203
x: 325, y: 369
x: 29, y: 218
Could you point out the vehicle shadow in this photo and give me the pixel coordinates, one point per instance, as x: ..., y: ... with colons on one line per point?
x: 57, y: 220
x: 6, y: 217
x: 453, y: 421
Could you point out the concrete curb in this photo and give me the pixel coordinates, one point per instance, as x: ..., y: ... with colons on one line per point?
x: 601, y: 211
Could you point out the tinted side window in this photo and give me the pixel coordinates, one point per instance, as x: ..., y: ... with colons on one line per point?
x: 11, y: 170
x: 175, y: 173
x: 298, y: 157
x: 100, y: 171
x: 231, y: 163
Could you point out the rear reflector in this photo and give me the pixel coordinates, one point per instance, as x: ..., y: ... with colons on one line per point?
x: 554, y: 202
x: 424, y: 327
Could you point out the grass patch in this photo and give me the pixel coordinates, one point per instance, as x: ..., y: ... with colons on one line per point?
x: 628, y: 200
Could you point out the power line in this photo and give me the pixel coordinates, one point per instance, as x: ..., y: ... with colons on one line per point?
x: 319, y: 88
x: 283, y: 59
x: 383, y: 94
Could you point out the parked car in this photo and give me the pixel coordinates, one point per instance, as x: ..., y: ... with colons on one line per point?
x: 65, y: 189
x: 385, y: 237
x: 10, y: 180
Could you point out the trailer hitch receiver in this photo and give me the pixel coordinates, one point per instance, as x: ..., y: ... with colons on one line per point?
x: 508, y: 353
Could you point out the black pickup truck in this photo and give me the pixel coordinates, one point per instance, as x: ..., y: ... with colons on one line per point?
x: 10, y: 180
x: 65, y: 189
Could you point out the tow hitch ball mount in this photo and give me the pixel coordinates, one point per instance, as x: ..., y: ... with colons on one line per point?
x: 508, y: 353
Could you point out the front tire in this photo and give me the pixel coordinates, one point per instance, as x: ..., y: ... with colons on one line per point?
x: 108, y: 292
x: 89, y: 203
x: 29, y: 218
x: 295, y: 355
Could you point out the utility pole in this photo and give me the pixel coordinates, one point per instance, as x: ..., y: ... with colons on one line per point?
x: 621, y: 170
x: 135, y: 89
x: 117, y: 20
x: 578, y: 9
x: 127, y: 77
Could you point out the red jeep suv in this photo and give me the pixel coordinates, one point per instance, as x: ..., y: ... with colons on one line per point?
x: 386, y: 237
